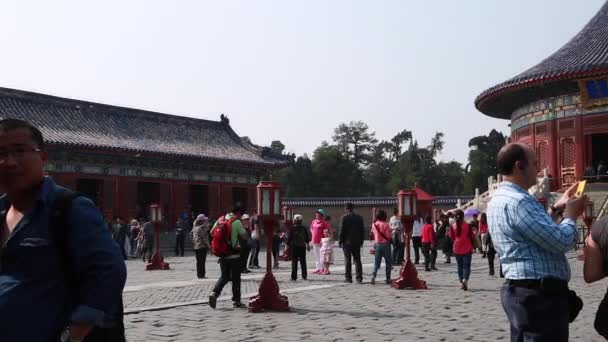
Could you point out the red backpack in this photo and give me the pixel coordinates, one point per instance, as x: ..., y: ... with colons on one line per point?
x: 220, y: 238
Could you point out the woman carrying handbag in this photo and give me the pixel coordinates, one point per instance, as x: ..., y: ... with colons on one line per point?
x: 382, y: 237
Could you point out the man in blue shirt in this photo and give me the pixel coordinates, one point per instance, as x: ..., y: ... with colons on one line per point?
x: 532, y: 248
x: 36, y: 301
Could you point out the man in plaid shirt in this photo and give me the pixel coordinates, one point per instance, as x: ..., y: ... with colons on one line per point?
x: 532, y: 248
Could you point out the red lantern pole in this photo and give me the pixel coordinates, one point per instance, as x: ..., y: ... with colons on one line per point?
x: 408, y: 276
x: 269, y: 297
x: 588, y: 219
x: 157, y: 261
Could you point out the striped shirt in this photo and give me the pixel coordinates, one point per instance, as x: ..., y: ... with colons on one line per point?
x: 530, y: 245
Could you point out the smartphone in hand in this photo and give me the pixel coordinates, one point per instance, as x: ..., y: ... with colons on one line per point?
x: 580, y: 190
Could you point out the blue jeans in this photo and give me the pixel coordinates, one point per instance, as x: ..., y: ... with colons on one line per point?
x: 464, y: 266
x: 383, y: 250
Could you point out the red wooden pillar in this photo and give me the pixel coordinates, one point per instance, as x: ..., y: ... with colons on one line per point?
x: 117, y: 200
x: 579, y: 148
x: 65, y: 180
x: 181, y: 193
x: 123, y: 205
x: 129, y: 192
x: 251, y: 200
x: 552, y: 151
x: 214, y: 201
x: 165, y: 202
x: 533, y: 137
x: 227, y: 198
x: 107, y: 193
x: 588, y: 150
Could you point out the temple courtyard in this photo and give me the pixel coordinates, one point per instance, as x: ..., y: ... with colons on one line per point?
x: 172, y: 306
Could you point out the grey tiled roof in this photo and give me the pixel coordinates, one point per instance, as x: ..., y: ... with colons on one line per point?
x: 585, y: 55
x: 324, y: 202
x: 98, y: 126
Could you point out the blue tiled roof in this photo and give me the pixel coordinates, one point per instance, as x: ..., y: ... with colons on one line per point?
x: 92, y: 125
x: 585, y: 55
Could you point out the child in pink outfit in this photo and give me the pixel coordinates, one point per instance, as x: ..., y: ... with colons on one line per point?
x: 327, y: 251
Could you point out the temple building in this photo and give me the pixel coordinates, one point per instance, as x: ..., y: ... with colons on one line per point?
x: 125, y: 159
x: 560, y: 106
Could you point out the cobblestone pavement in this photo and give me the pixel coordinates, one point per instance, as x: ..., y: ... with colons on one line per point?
x: 172, y: 306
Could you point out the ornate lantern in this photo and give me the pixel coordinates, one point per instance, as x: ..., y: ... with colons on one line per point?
x: 287, y: 214
x: 589, y: 216
x: 436, y: 214
x: 269, y: 215
x: 406, y: 200
x: 589, y: 210
x: 407, y: 204
x: 288, y: 222
x: 156, y: 213
x: 157, y: 260
x: 269, y: 199
x: 408, y: 276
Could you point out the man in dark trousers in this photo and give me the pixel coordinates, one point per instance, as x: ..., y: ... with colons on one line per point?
x: 298, y: 242
x: 180, y: 236
x: 351, y: 240
x: 230, y: 264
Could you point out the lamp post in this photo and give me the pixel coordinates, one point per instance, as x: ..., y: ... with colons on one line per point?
x: 288, y: 222
x: 436, y: 214
x: 408, y: 276
x: 156, y: 263
x: 269, y: 215
x: 588, y: 218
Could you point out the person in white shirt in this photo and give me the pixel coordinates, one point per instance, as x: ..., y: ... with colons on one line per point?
x: 397, y: 232
x: 417, y: 237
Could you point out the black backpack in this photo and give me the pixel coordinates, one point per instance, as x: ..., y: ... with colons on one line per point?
x: 114, y: 330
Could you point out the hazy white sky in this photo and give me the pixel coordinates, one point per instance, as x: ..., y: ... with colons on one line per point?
x: 288, y: 70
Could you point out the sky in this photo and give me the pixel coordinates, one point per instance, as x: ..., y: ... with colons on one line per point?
x: 289, y: 70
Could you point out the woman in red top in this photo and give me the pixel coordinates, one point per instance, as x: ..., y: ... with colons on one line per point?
x: 429, y: 244
x: 462, y: 235
x: 483, y: 232
x: 382, y: 236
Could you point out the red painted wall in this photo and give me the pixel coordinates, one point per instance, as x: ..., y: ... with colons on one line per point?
x: 119, y: 195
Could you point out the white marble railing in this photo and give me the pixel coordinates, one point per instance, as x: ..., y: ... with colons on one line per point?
x: 481, y: 200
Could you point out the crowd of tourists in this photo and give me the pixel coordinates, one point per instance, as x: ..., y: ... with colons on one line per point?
x: 73, y: 291
x: 531, y: 244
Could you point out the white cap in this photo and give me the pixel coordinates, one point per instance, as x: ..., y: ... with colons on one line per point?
x: 245, y: 217
x: 298, y: 217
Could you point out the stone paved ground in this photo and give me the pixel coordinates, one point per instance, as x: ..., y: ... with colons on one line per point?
x: 172, y: 306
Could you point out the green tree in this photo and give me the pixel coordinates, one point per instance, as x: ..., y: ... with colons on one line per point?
x: 335, y: 173
x: 277, y: 145
x: 418, y: 165
x: 482, y: 160
x: 301, y: 178
x: 355, y: 142
x: 385, y: 156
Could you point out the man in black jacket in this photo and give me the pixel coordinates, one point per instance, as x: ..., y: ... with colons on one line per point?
x: 351, y: 240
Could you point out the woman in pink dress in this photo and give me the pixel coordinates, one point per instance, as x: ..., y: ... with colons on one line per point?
x: 317, y: 226
x: 327, y: 251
